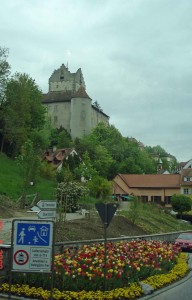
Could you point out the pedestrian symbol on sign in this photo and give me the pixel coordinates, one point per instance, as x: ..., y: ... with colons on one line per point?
x: 22, y: 236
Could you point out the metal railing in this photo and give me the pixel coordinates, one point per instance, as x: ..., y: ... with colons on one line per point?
x: 168, y: 237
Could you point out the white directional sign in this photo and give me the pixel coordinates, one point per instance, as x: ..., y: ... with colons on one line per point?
x: 48, y: 209
x: 46, y: 214
x: 46, y: 204
x: 32, y: 245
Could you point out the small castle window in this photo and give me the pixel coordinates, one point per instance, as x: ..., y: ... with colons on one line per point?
x: 61, y: 77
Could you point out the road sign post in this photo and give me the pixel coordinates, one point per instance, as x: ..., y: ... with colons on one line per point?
x: 106, y: 212
x: 32, y: 244
x: 47, y: 209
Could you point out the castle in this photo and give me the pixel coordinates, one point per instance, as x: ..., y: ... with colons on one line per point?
x: 69, y: 106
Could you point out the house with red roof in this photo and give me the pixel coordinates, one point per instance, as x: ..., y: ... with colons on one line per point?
x: 155, y: 188
x: 56, y: 157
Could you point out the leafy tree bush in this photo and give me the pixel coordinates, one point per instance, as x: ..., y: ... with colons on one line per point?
x: 47, y: 170
x: 29, y: 163
x: 4, y: 71
x: 85, y: 169
x: 68, y: 195
x: 134, y: 211
x: 64, y: 175
x: 181, y: 203
x: 22, y: 112
x: 110, y: 153
x: 99, y: 187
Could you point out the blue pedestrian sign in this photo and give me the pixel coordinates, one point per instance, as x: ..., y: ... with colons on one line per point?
x: 32, y: 242
x: 33, y: 234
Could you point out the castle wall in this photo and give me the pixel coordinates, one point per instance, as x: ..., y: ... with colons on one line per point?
x: 61, y: 86
x: 80, y: 117
x: 97, y: 117
x: 59, y: 114
x: 62, y: 79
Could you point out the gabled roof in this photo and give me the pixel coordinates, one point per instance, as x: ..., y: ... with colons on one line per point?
x: 81, y: 93
x: 151, y: 181
x: 57, y: 156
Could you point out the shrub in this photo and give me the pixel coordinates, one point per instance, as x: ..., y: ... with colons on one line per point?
x: 69, y: 194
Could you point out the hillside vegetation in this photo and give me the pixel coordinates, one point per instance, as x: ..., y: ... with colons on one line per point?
x: 11, y: 181
x: 150, y: 219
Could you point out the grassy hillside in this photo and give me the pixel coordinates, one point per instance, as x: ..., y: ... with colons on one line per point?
x: 11, y: 181
x: 155, y: 219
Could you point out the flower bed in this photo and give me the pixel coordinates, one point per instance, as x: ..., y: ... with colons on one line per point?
x: 79, y: 273
x: 127, y: 262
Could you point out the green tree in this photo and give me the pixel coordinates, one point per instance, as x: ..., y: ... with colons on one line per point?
x: 4, y: 71
x: 99, y: 187
x: 29, y: 164
x: 64, y: 175
x: 85, y: 170
x: 60, y: 138
x: 22, y: 111
x: 181, y: 203
x: 134, y: 211
x: 69, y: 195
x: 99, y: 155
x: 159, y: 152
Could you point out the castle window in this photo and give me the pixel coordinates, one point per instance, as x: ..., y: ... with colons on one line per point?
x: 61, y: 77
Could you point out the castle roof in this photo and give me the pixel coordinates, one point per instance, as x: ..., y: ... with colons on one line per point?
x: 81, y: 93
x: 51, y: 97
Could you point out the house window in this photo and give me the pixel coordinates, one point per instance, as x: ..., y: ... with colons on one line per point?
x: 167, y: 200
x: 187, y: 178
x: 144, y: 198
x: 186, y: 191
x: 156, y: 199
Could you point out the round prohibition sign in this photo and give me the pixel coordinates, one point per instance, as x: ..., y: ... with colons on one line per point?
x: 21, y: 257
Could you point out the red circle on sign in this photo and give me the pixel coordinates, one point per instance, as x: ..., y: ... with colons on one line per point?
x: 21, y: 257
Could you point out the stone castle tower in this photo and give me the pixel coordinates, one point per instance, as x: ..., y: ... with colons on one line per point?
x: 69, y: 106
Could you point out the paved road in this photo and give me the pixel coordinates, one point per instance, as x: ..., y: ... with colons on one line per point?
x: 181, y: 290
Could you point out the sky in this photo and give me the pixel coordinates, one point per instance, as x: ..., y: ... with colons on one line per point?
x: 135, y: 56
